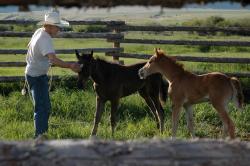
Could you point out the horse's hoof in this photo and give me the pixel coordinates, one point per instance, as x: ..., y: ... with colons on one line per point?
x: 93, y: 137
x: 173, y: 138
x: 195, y: 138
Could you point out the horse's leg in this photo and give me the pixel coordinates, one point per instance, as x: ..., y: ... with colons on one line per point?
x: 189, y: 119
x: 99, y: 110
x: 175, y: 117
x: 225, y: 130
x: 114, y: 106
x: 159, y: 111
x: 151, y: 106
x: 228, y: 124
x: 225, y: 126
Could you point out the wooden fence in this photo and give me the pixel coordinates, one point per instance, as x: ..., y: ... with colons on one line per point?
x: 199, y: 152
x: 116, y: 36
x: 107, y: 35
x: 233, y: 30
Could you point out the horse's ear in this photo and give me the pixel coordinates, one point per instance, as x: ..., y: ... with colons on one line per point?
x: 77, y: 54
x: 156, y: 52
x: 91, y: 53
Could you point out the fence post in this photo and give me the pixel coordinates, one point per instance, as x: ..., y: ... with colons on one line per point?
x: 115, y: 28
x: 116, y: 45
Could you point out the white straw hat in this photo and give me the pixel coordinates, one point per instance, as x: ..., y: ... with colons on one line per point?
x: 53, y: 18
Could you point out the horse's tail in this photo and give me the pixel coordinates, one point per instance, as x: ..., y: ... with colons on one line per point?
x: 238, y: 97
x: 163, y: 95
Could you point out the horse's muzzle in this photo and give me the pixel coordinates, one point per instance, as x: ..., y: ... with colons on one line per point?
x: 141, y: 73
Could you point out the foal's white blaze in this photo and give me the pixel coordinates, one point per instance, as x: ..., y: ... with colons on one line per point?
x: 141, y: 73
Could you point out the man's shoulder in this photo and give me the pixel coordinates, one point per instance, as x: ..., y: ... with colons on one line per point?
x: 37, y: 32
x: 41, y: 33
x: 44, y: 37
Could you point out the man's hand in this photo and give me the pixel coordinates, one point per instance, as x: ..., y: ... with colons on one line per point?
x: 75, y: 67
x: 58, y: 62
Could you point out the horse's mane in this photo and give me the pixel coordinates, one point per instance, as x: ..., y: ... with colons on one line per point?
x: 110, y: 63
x: 171, y: 59
x: 102, y: 60
x: 104, y: 64
x: 107, y: 67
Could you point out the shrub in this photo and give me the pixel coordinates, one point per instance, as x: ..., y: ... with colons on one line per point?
x: 218, y: 21
x: 90, y: 28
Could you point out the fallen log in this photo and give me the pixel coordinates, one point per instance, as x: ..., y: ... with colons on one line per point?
x: 201, y: 152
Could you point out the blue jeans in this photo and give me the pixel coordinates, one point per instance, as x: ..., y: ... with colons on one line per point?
x: 39, y: 90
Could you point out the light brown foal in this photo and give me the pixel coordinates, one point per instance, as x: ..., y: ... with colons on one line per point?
x: 187, y: 89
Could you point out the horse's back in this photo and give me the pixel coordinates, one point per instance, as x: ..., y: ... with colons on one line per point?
x: 130, y: 73
x: 196, y: 88
x: 132, y: 82
x: 216, y: 80
x: 218, y: 85
x: 124, y: 80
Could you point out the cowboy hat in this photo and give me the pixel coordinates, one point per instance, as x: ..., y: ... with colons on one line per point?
x: 53, y: 18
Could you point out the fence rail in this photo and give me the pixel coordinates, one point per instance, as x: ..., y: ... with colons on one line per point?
x: 12, y: 64
x: 184, y: 28
x: 18, y: 64
x: 20, y: 78
x: 183, y: 42
x: 66, y: 35
x: 185, y: 58
x: 63, y: 51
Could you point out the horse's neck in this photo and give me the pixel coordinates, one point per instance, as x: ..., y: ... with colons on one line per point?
x: 98, y: 71
x: 173, y: 71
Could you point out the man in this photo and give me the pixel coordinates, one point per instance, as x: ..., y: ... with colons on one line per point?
x: 40, y: 56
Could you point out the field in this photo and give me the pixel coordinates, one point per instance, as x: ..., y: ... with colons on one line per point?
x: 73, y: 110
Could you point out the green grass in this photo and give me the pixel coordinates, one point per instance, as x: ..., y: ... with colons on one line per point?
x: 73, y: 111
x: 218, y: 21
